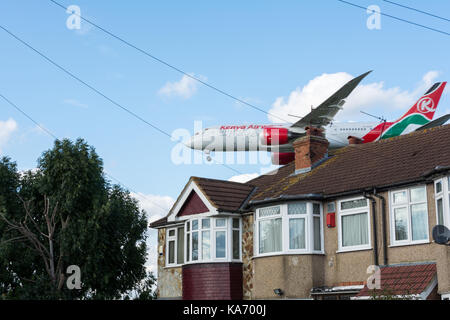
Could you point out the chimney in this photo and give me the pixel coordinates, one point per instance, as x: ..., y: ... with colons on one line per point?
x: 354, y: 140
x: 310, y: 149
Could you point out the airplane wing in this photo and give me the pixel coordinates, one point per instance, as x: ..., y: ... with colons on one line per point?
x: 324, y: 113
x: 435, y: 123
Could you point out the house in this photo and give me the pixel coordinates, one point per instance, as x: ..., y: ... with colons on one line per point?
x: 325, y: 226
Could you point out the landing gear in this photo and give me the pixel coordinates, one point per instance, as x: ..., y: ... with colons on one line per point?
x: 208, y: 157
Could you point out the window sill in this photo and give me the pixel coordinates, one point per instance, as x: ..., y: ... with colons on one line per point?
x: 409, y: 244
x: 287, y: 254
x: 173, y: 266
x: 354, y: 249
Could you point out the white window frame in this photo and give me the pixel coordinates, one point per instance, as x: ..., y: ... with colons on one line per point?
x: 228, y: 228
x: 408, y: 205
x: 445, y: 196
x: 347, y: 212
x: 175, y: 239
x: 285, y: 217
x: 231, y: 239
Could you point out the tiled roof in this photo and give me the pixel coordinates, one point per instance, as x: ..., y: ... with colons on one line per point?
x: 225, y: 195
x: 403, y: 280
x: 161, y: 222
x: 379, y: 164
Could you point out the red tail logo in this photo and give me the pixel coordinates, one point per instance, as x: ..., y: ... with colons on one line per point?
x: 425, y: 105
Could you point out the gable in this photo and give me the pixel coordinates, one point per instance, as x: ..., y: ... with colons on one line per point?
x: 193, y: 205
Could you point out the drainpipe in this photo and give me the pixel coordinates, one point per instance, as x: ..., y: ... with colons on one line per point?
x: 384, y: 225
x: 374, y: 222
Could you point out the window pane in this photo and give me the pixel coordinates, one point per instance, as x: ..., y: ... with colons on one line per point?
x: 172, y: 233
x: 271, y: 211
x: 220, y: 244
x: 401, y: 223
x: 206, y: 245
x: 317, y: 235
x: 205, y: 223
x: 188, y: 226
x: 316, y: 208
x: 188, y: 244
x: 355, y: 230
x: 235, y: 223
x: 297, y: 233
x: 236, y: 241
x: 270, y: 235
x: 297, y: 208
x: 418, y: 194
x: 353, y: 204
x: 171, y: 252
x: 194, y: 224
x: 440, y: 211
x: 438, y: 187
x: 220, y: 222
x: 331, y: 207
x: 180, y: 246
x: 419, y: 216
x: 400, y: 197
x: 194, y: 246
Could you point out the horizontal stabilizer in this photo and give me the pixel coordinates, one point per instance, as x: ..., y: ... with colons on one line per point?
x: 435, y: 123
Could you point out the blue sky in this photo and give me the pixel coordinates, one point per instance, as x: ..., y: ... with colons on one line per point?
x: 259, y: 51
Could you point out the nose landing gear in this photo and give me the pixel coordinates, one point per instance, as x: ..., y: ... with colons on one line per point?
x: 208, y: 157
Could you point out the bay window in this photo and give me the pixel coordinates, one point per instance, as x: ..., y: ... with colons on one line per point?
x: 354, y: 226
x: 289, y: 228
x: 409, y: 216
x: 213, y: 239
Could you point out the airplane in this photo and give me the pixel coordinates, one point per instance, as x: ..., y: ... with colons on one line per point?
x: 278, y: 138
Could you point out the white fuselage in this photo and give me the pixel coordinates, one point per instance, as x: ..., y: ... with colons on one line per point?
x: 249, y: 137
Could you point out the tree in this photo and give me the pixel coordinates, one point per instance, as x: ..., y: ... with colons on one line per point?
x: 92, y: 224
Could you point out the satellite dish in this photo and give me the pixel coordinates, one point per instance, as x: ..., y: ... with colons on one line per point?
x: 441, y: 234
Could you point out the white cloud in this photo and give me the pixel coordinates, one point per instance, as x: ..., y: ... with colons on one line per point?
x: 185, y: 88
x: 364, y: 97
x: 6, y: 129
x: 244, y: 177
x: 156, y: 207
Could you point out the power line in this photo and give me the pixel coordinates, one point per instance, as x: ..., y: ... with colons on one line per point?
x: 98, y: 91
x: 145, y: 52
x: 397, y: 18
x: 414, y: 9
x: 15, y: 106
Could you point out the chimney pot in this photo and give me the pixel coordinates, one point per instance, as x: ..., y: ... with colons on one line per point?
x: 354, y: 140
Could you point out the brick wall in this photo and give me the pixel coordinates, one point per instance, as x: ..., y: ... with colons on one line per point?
x: 212, y: 281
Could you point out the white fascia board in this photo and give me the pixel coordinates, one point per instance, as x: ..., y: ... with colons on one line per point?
x: 192, y: 186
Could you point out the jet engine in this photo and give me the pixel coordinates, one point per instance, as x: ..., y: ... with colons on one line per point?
x: 275, y: 136
x: 281, y: 158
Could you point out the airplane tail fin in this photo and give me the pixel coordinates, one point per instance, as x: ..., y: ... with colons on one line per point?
x: 427, y: 104
x: 420, y: 114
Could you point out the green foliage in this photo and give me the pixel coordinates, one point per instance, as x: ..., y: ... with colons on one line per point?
x: 105, y: 235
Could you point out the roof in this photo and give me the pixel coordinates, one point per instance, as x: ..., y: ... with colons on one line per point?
x: 412, y: 279
x: 225, y: 195
x: 384, y: 163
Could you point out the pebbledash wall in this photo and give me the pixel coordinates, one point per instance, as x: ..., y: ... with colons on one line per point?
x: 169, y: 278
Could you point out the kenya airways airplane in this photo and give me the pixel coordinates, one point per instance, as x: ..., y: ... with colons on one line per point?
x: 278, y: 138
